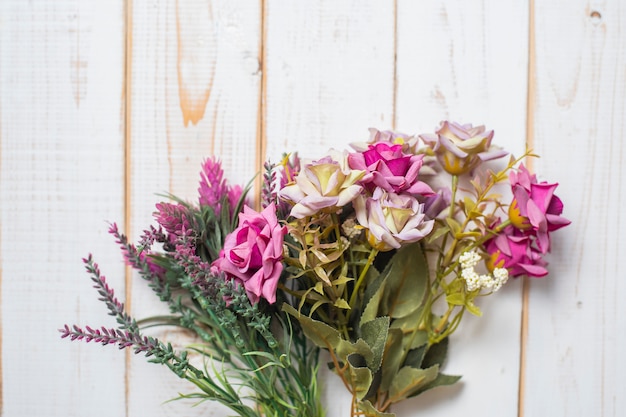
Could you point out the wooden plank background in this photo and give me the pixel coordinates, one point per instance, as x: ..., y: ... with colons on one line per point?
x: 105, y: 104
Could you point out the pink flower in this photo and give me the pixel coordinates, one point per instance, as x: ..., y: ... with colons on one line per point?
x: 514, y: 251
x: 212, y: 184
x: 325, y: 184
x: 535, y: 208
x: 392, y: 219
x: 214, y: 188
x: 174, y: 218
x: 234, y: 194
x: 461, y: 148
x: 253, y: 253
x: 389, y: 168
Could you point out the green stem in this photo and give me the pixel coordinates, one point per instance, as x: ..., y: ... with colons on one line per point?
x: 455, y: 186
x: 359, y: 282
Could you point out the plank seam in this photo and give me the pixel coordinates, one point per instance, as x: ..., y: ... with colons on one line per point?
x: 127, y: 182
x: 261, y: 145
x: 530, y: 123
x: 394, y: 103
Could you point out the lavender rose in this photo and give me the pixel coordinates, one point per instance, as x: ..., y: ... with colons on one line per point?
x: 392, y: 219
x: 461, y: 148
x: 325, y: 184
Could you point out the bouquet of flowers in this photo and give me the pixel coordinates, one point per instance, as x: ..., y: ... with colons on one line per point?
x: 372, y: 255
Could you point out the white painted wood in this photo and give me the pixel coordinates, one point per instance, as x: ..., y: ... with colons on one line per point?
x: 61, y: 180
x: 329, y: 74
x: 576, y: 340
x: 467, y: 62
x: 195, y: 92
x: 197, y: 88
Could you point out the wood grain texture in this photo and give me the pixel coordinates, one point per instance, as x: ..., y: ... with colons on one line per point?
x: 61, y: 179
x: 103, y: 99
x: 329, y: 74
x: 195, y: 93
x: 467, y: 61
x: 577, y: 316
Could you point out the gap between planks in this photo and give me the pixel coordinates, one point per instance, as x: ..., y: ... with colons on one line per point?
x: 128, y: 10
x: 530, y: 141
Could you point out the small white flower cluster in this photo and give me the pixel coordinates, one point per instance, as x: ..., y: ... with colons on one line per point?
x: 351, y: 228
x: 474, y: 281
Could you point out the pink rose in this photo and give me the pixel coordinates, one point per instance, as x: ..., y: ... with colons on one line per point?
x: 389, y: 168
x: 515, y: 251
x: 535, y: 208
x: 253, y: 253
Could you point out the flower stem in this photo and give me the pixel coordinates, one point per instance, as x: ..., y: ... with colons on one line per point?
x: 359, y: 282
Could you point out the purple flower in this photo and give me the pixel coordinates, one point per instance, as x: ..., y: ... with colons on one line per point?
x: 461, y: 148
x: 325, y: 184
x: 392, y: 219
x: 436, y: 203
x: 253, y: 253
x: 515, y: 251
x: 535, y: 208
x: 389, y: 168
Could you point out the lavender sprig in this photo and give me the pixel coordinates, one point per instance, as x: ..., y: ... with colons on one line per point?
x: 107, y: 295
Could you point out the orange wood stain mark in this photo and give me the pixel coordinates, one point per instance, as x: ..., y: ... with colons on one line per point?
x: 197, y: 54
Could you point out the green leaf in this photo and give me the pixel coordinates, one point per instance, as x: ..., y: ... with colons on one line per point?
x: 454, y: 226
x: 469, y: 205
x: 342, y: 280
x: 406, y: 278
x: 456, y: 299
x: 392, y: 358
x: 441, y: 380
x: 370, y: 411
x: 374, y: 333
x: 436, y: 354
x: 341, y: 303
x: 321, y: 273
x: 372, y: 298
x: 409, y: 380
x: 361, y: 376
x: 440, y: 231
x: 415, y: 357
x: 473, y: 308
x: 344, y: 349
x: 319, y: 333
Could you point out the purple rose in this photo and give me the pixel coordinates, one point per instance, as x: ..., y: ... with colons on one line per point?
x: 253, y: 253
